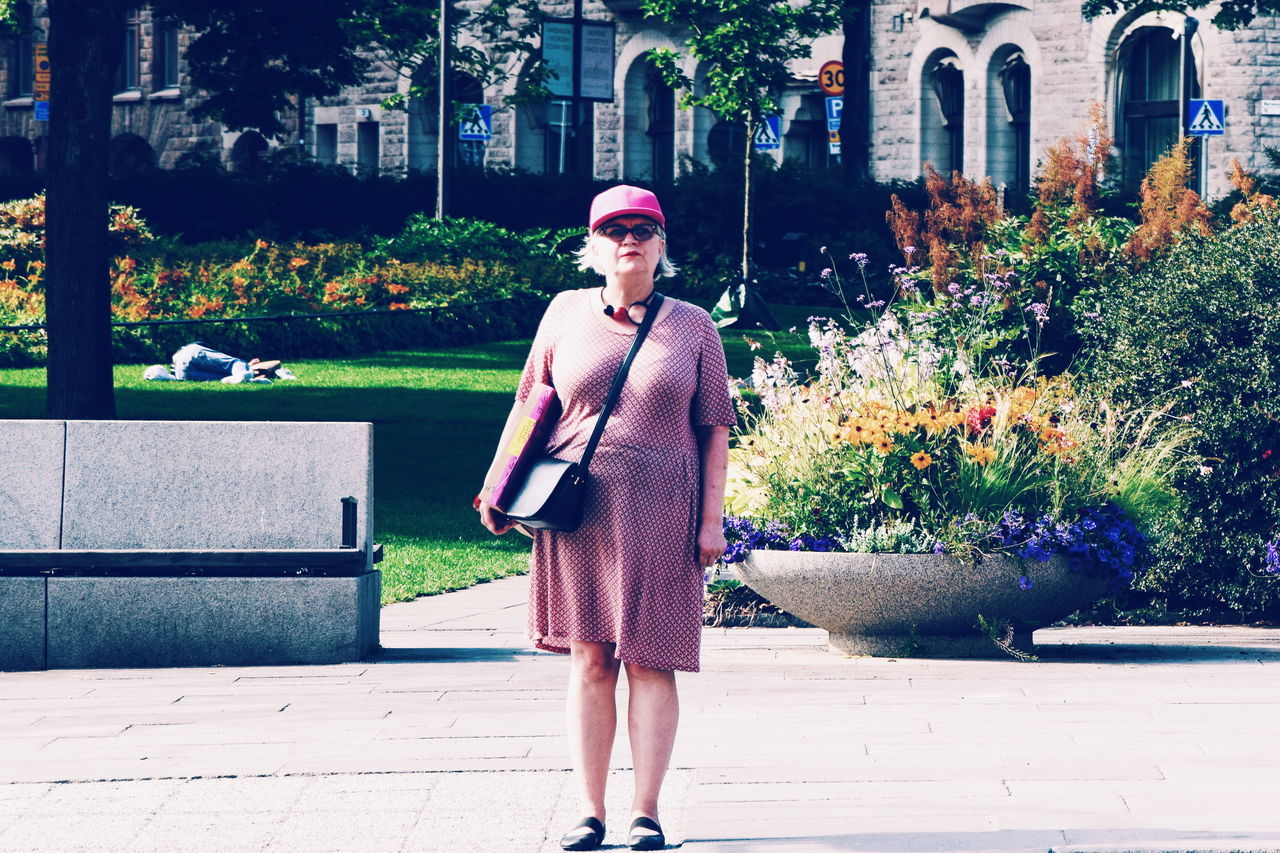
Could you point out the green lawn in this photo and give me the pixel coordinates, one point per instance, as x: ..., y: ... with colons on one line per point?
x: 437, y: 414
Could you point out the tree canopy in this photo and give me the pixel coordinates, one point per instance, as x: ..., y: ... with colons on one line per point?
x: 1231, y: 14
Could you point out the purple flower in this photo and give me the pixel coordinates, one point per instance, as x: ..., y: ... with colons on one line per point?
x: 860, y: 258
x: 939, y: 548
x: 908, y: 250
x: 953, y: 288
x: 1024, y: 582
x: 826, y: 273
x: 1273, y: 557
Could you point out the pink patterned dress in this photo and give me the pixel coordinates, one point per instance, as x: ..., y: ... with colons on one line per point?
x: 629, y: 575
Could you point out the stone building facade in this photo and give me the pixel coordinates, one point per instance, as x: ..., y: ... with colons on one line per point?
x: 150, y: 123
x: 980, y: 86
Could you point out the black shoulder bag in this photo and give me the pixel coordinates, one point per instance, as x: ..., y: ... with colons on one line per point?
x: 554, y: 492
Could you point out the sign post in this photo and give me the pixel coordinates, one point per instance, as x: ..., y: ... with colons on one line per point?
x: 476, y: 124
x: 835, y: 111
x: 769, y: 134
x: 1208, y: 117
x: 40, y: 91
x: 831, y: 77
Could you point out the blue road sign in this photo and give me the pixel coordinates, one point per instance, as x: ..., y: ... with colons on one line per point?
x: 835, y: 109
x: 42, y: 111
x: 769, y: 134
x: 1206, y: 118
x: 478, y: 125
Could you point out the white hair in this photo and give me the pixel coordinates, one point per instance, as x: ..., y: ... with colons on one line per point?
x: 587, y: 256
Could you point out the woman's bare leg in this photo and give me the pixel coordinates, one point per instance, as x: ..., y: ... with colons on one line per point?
x: 593, y: 719
x: 652, y: 716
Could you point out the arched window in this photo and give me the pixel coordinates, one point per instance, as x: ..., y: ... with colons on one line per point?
x: 130, y: 154
x: 1009, y: 122
x: 1150, y: 92
x: 247, y: 152
x: 807, y: 140
x: 16, y: 156
x: 725, y: 143
x: 649, y: 125
x: 942, y: 114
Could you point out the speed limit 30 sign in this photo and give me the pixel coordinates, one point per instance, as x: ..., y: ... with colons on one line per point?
x: 831, y: 77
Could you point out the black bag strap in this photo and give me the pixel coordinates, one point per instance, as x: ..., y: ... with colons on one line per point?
x: 619, y: 378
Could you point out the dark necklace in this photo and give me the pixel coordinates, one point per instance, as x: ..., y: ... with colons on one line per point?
x: 644, y: 303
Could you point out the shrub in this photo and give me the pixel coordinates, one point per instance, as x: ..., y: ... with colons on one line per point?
x: 1200, y: 327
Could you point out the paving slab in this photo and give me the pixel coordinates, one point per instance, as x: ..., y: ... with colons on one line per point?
x: 1143, y: 739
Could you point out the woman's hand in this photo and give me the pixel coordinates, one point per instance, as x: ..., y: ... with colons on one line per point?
x: 711, y: 544
x: 493, y: 519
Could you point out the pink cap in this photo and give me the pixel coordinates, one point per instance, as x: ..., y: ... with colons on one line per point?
x: 624, y: 200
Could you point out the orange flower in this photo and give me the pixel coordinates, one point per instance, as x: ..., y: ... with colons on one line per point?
x: 297, y: 263
x: 398, y: 306
x: 921, y: 460
x: 9, y: 264
x: 262, y: 244
x: 397, y: 289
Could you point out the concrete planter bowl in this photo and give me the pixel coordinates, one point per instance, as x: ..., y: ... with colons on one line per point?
x: 917, y: 604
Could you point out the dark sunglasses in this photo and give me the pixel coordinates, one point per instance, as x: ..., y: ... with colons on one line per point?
x: 618, y: 233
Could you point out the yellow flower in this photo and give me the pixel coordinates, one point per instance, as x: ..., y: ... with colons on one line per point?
x: 931, y: 421
x: 951, y: 419
x: 859, y: 432
x: 884, y: 444
x: 905, y: 422
x: 981, y: 454
x: 921, y: 460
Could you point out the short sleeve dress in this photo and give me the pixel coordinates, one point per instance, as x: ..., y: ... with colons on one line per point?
x: 630, y: 574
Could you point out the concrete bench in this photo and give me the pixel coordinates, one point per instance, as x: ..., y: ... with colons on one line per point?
x: 185, y: 543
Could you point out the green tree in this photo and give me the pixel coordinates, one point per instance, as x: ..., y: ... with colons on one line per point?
x: 743, y: 47
x: 1231, y: 14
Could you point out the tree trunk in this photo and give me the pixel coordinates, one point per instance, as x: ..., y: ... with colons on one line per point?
x: 855, y: 119
x: 84, y: 47
x: 746, y: 198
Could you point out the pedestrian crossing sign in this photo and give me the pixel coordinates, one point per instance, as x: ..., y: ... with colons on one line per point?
x: 768, y: 134
x: 1206, y: 118
x: 476, y: 123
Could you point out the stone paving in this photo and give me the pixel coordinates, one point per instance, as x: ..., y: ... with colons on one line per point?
x: 1117, y: 739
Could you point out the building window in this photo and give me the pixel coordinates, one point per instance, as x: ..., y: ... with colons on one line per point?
x: 21, y: 49
x: 1009, y: 123
x: 164, y: 62
x: 649, y: 125
x: 807, y: 140
x: 726, y: 143
x: 570, y: 135
x: 423, y: 125
x: 948, y: 88
x: 661, y: 114
x: 1149, y: 96
x: 467, y: 91
x: 368, y: 153
x: 327, y: 144
x: 127, y: 73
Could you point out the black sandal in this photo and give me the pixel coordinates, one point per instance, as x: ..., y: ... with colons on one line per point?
x: 587, y: 835
x: 651, y: 838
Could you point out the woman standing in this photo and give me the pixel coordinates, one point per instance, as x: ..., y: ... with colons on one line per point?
x: 624, y: 591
